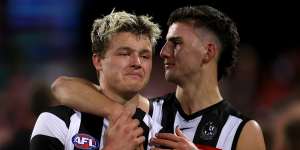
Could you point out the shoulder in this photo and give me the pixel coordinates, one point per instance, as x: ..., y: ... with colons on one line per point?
x: 51, y: 128
x: 236, y: 123
x: 54, y: 118
x: 251, y: 137
x: 226, y: 107
x: 61, y: 112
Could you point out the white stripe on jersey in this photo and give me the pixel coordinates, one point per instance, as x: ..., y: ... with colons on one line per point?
x: 50, y: 125
x: 228, y: 133
x: 188, y: 127
x: 104, y: 128
x: 157, y: 111
x: 73, y: 130
x: 154, y: 128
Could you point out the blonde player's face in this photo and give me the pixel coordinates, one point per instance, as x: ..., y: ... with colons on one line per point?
x: 127, y: 63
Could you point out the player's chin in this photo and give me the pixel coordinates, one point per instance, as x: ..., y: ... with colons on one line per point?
x: 169, y: 76
x: 136, y: 86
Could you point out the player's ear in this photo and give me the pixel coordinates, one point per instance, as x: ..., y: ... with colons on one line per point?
x: 97, y: 61
x: 211, y: 52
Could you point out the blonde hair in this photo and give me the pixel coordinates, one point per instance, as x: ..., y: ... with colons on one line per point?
x: 116, y: 22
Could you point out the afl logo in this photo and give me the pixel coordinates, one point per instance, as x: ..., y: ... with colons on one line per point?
x: 209, y: 131
x: 85, y: 141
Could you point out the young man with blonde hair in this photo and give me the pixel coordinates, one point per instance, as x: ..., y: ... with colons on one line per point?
x: 122, y: 45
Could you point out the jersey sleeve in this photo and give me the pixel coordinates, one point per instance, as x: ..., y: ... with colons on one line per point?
x: 49, y: 133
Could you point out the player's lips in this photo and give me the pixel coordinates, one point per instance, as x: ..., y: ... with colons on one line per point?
x: 135, y: 75
x: 169, y: 65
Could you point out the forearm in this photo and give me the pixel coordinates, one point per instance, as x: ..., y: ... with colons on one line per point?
x: 82, y: 95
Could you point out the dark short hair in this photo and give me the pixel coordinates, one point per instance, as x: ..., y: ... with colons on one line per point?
x: 221, y: 25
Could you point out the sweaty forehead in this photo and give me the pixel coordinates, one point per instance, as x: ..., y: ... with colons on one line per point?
x: 179, y: 29
x: 126, y: 39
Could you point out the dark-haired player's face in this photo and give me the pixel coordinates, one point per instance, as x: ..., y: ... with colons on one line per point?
x: 182, y: 53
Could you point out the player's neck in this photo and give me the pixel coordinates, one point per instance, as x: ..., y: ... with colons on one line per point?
x: 119, y: 97
x: 198, y: 95
x: 135, y: 99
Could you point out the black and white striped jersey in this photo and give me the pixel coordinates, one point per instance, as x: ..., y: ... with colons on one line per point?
x: 62, y: 128
x: 213, y: 128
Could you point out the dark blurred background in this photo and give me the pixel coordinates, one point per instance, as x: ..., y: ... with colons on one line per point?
x: 43, y: 39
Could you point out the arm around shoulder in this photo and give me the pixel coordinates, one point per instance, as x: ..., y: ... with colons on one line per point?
x: 251, y: 137
x: 66, y: 88
x: 84, y: 96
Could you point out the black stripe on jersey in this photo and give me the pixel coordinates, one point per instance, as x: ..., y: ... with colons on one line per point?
x: 238, y: 133
x: 150, y: 108
x: 210, y: 127
x: 140, y: 114
x: 91, y: 125
x: 168, y: 114
x: 64, y: 113
x: 42, y: 142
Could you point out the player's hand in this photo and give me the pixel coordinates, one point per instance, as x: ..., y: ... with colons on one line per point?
x: 177, y: 141
x: 140, y: 147
x: 124, y: 133
x: 118, y: 110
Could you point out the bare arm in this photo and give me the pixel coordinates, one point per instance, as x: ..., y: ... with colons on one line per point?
x: 83, y: 95
x: 251, y: 137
